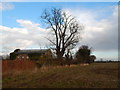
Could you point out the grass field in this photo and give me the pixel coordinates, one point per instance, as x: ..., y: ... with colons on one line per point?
x: 96, y: 75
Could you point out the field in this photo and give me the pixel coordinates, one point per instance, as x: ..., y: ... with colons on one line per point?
x: 95, y: 75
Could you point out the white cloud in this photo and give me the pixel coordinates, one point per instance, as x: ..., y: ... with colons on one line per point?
x: 6, y: 6
x: 103, y: 31
x: 99, y: 33
x: 14, y: 30
x: 30, y: 34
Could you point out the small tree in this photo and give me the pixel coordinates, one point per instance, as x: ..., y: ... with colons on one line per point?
x: 92, y: 58
x: 83, y: 54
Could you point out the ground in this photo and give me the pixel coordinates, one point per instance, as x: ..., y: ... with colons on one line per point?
x: 96, y: 75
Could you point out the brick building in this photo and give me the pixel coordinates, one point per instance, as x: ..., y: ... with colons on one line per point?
x: 31, y: 54
x: 22, y: 57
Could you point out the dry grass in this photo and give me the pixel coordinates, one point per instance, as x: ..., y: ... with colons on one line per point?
x: 96, y: 75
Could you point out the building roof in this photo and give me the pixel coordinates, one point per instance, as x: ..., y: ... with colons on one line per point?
x: 31, y: 51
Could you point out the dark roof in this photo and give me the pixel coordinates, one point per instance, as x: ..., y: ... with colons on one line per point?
x: 32, y: 51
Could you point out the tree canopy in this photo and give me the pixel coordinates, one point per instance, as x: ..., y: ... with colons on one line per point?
x: 83, y: 55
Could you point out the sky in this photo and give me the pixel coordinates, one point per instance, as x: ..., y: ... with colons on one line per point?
x: 60, y: 0
x: 21, y: 26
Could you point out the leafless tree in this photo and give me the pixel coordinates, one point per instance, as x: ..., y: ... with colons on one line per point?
x: 65, y: 29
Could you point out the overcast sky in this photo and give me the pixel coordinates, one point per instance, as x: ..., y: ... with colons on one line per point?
x: 22, y: 28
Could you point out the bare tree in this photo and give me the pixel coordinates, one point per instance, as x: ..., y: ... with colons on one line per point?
x: 65, y: 29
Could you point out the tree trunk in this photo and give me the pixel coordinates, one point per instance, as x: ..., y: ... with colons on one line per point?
x: 60, y: 55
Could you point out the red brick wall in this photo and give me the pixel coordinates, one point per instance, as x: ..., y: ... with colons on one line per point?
x: 13, y: 66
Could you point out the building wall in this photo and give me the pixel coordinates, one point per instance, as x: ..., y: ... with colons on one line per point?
x: 35, y: 56
x: 47, y: 54
x: 22, y: 57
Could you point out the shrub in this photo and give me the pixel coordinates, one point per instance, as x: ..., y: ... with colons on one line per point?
x: 83, y: 54
x: 39, y: 65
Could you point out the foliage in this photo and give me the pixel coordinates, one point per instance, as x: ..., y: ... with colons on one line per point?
x: 83, y: 54
x: 92, y: 58
x: 12, y: 56
x: 38, y: 65
x: 50, y: 62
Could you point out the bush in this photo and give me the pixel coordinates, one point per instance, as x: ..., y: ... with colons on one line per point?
x: 39, y: 65
x: 83, y: 54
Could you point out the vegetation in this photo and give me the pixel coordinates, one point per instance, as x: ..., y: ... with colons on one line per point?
x: 83, y: 55
x: 65, y: 29
x: 96, y: 75
x: 92, y: 58
x: 42, y: 71
x: 13, y: 55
